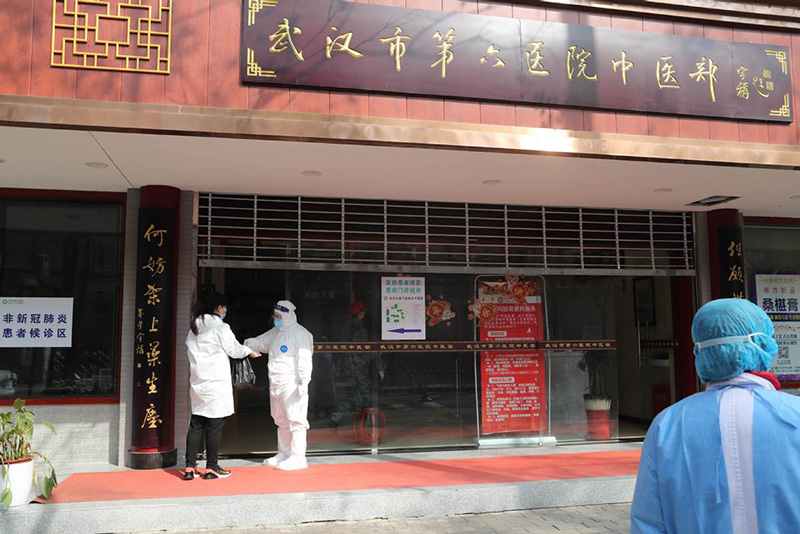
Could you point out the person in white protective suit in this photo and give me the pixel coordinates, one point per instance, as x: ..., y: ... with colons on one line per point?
x: 209, y: 344
x: 290, y: 347
x: 727, y: 459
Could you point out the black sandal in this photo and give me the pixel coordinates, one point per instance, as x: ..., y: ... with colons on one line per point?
x: 190, y: 474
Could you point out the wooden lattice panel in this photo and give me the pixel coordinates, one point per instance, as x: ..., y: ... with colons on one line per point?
x: 120, y: 35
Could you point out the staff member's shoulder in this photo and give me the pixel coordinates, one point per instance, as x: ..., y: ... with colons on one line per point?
x: 784, y: 401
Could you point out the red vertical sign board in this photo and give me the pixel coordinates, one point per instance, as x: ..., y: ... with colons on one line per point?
x: 513, y: 383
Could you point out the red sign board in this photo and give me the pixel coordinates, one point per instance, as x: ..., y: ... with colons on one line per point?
x: 513, y: 383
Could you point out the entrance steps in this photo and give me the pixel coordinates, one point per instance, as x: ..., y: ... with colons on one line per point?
x: 336, y: 488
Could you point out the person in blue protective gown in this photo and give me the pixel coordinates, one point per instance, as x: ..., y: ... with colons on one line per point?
x: 727, y: 459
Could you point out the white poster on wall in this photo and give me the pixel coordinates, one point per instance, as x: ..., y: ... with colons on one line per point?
x: 787, y: 362
x: 778, y: 294
x: 402, y: 308
x: 35, y: 322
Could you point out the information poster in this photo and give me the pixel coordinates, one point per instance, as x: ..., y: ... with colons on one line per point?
x: 778, y: 294
x: 513, y: 383
x: 402, y: 308
x: 35, y: 322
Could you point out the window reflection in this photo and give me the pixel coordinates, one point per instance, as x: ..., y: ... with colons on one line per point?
x: 63, y: 249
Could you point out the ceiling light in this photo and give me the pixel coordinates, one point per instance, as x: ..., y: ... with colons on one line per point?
x: 713, y: 200
x: 794, y: 197
x: 311, y: 174
x: 663, y: 190
x: 491, y: 182
x: 97, y: 165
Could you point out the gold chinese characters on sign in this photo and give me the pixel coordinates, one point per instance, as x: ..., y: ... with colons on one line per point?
x: 149, y: 349
x: 116, y: 35
x: 348, y: 45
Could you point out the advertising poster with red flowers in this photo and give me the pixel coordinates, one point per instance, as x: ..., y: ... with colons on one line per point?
x: 513, y: 383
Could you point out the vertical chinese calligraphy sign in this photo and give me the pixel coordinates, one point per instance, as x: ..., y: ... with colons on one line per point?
x: 154, y: 333
x: 512, y: 383
x: 336, y: 44
x: 726, y: 254
x: 778, y: 294
x: 731, y: 262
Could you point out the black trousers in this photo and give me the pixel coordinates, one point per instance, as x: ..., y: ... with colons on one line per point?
x: 194, y: 440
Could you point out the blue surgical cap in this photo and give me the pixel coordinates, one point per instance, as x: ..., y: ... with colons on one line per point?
x: 723, y: 359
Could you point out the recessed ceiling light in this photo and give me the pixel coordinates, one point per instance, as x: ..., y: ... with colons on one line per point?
x: 97, y: 165
x: 794, y: 197
x: 663, y: 190
x: 311, y: 174
x: 491, y: 182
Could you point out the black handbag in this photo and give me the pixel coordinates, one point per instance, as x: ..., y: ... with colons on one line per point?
x: 242, y: 373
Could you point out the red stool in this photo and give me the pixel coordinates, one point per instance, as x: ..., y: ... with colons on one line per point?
x: 365, y: 421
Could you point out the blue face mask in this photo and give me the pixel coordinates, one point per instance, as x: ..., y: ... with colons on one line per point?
x: 278, y: 323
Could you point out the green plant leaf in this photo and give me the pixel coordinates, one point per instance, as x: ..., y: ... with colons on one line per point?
x: 18, y: 404
x: 49, y: 425
x: 47, y: 487
x: 6, y: 498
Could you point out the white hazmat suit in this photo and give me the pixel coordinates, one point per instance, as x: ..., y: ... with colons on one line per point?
x: 290, y: 347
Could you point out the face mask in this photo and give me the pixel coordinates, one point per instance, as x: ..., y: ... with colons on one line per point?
x: 278, y: 323
x: 729, y: 339
x: 223, y: 314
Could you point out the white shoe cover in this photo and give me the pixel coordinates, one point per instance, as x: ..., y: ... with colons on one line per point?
x: 274, y: 460
x: 293, y: 463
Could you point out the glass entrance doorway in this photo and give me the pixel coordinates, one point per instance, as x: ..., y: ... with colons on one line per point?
x: 362, y: 401
x: 646, y: 351
x: 357, y: 400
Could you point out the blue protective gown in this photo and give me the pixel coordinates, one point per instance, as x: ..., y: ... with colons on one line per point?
x: 682, y: 485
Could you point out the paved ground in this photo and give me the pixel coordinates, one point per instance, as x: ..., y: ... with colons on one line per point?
x: 603, y: 519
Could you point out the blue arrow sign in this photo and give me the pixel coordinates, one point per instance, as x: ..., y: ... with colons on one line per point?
x: 405, y: 330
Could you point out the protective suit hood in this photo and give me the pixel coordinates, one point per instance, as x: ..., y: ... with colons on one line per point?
x: 285, y: 310
x: 732, y: 336
x: 206, y: 322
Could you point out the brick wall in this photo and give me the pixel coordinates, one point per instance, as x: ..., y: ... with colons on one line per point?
x: 123, y: 443
x: 187, y: 282
x: 85, y: 434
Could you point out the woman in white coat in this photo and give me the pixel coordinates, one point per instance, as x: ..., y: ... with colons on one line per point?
x: 209, y: 344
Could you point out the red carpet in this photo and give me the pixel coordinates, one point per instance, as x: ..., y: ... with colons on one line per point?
x: 158, y: 484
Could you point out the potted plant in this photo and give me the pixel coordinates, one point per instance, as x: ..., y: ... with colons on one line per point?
x: 17, y: 455
x: 597, y: 403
